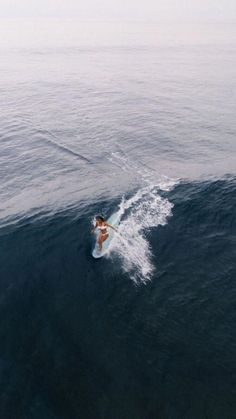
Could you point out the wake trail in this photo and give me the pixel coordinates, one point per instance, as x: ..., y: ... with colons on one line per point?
x: 64, y: 148
x: 55, y: 144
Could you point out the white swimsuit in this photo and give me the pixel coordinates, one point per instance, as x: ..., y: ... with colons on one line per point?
x: 103, y: 229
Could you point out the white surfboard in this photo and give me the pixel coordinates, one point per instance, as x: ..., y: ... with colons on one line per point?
x: 114, y: 220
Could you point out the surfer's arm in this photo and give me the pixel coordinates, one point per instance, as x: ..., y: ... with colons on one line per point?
x: 113, y: 228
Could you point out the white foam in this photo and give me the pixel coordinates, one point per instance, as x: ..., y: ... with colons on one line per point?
x: 144, y: 210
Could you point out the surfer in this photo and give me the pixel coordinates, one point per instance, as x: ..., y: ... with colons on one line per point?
x: 101, y: 224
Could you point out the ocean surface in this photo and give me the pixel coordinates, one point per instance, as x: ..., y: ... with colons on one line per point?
x: 147, y: 332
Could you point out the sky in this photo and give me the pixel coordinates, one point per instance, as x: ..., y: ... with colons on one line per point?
x: 50, y: 23
x: 122, y: 10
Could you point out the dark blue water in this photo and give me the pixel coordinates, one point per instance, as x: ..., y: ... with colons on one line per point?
x: 147, y: 332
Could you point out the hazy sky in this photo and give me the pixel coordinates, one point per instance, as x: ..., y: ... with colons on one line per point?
x: 40, y: 23
x: 137, y: 10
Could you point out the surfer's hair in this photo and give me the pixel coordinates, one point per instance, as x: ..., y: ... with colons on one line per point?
x: 100, y: 218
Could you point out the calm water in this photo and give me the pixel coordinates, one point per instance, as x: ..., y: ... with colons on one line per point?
x: 149, y: 331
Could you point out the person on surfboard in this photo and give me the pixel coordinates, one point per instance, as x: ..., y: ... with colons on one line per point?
x: 101, y: 224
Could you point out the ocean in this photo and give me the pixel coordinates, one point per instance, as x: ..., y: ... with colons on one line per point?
x: 147, y: 332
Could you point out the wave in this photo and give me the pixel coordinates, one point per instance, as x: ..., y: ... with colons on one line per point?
x: 56, y: 297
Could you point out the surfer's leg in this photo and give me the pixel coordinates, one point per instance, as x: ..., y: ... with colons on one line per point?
x: 101, y: 239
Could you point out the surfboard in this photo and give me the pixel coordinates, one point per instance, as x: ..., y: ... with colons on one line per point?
x: 114, y: 220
